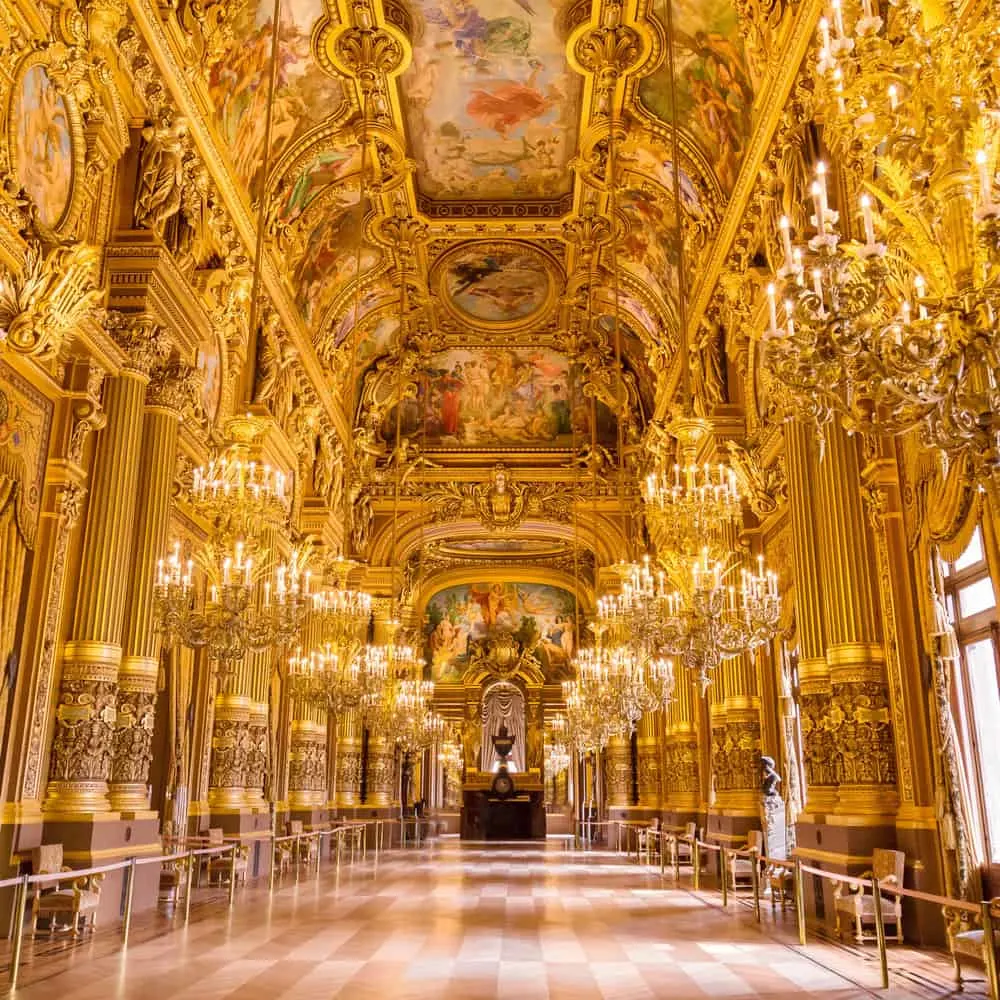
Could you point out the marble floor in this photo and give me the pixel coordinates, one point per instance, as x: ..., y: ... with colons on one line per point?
x: 470, y: 922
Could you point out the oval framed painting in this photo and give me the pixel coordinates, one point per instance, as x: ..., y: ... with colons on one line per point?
x: 210, y: 365
x: 46, y: 147
x: 497, y: 284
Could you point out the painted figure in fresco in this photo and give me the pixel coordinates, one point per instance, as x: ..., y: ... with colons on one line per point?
x: 509, y: 103
x: 492, y: 603
x: 451, y: 386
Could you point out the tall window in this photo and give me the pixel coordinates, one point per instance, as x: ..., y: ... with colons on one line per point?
x: 973, y: 608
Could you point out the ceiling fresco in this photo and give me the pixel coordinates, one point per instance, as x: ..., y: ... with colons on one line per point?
x: 237, y: 82
x: 484, y: 181
x: 491, y: 105
x: 497, y: 284
x: 714, y: 92
x: 489, y: 398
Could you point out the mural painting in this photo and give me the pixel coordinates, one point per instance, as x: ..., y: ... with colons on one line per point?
x: 495, y: 283
x: 209, y: 363
x: 532, y: 612
x: 714, y: 94
x: 490, y: 102
x: 649, y: 246
x: 481, y: 398
x: 330, y: 257
x: 500, y: 547
x: 43, y: 158
x: 237, y: 84
x: 322, y: 172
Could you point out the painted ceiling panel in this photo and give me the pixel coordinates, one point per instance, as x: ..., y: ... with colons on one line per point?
x: 238, y: 85
x: 491, y: 105
x: 714, y: 94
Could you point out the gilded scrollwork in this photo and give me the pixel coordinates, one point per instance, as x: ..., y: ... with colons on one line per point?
x: 54, y: 291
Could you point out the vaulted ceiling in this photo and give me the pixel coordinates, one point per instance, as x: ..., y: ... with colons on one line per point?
x: 482, y: 175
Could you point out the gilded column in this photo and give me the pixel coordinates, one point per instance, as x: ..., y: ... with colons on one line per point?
x: 169, y: 391
x: 681, y: 770
x: 814, y: 674
x: 859, y: 718
x: 379, y: 784
x: 82, y: 748
x: 618, y: 772
x: 736, y: 749
x: 231, y: 751
x: 648, y: 743
x: 306, y: 762
x: 349, y: 745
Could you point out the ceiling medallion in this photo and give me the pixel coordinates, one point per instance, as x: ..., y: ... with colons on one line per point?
x: 497, y: 284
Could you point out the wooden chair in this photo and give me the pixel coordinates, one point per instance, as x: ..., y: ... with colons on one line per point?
x: 859, y: 904
x: 685, y: 844
x: 220, y: 866
x: 967, y: 940
x: 648, y: 842
x: 306, y: 851
x: 75, y: 898
x: 740, y: 870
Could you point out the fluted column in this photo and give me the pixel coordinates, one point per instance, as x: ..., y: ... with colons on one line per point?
x: 814, y: 674
x: 83, y: 744
x: 648, y: 743
x: 736, y: 746
x: 618, y: 772
x: 681, y: 758
x: 859, y: 717
x: 349, y: 761
x: 307, y: 761
x: 169, y: 390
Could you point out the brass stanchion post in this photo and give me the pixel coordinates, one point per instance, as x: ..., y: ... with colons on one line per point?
x: 800, y: 902
x: 192, y: 860
x: 232, y: 876
x: 724, y: 875
x: 991, y: 955
x: 755, y: 882
x: 883, y: 958
x: 20, y: 903
x: 129, y: 892
x: 696, y: 863
x: 677, y: 858
x: 270, y: 866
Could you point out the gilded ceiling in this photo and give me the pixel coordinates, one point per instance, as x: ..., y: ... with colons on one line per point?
x: 463, y: 146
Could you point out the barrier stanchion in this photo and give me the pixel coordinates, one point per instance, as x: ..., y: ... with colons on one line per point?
x: 191, y: 862
x: 232, y: 876
x: 677, y: 858
x: 755, y: 882
x: 724, y: 875
x: 990, y: 953
x: 800, y: 902
x: 270, y: 866
x: 883, y: 958
x: 696, y: 863
x: 129, y: 893
x: 663, y: 853
x: 20, y: 905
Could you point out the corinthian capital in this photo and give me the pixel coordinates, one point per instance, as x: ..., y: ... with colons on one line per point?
x: 174, y: 386
x: 142, y: 340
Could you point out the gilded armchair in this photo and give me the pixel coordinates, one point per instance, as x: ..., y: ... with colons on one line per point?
x: 77, y: 898
x: 858, y: 903
x: 967, y: 939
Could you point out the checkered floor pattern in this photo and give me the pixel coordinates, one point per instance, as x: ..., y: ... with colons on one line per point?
x: 468, y: 922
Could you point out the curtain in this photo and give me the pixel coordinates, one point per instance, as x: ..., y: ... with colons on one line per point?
x: 503, y: 705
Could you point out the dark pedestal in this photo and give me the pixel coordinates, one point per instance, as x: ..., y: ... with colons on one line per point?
x: 487, y: 817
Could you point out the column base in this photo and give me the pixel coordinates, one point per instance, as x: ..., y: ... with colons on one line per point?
x: 133, y: 797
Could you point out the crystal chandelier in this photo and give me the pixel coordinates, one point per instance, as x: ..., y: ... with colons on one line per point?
x: 450, y: 753
x: 240, y: 609
x: 692, y: 506
x: 710, y: 620
x: 898, y: 331
x: 338, y: 669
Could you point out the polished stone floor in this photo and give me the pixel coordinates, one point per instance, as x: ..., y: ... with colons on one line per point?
x: 469, y: 922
